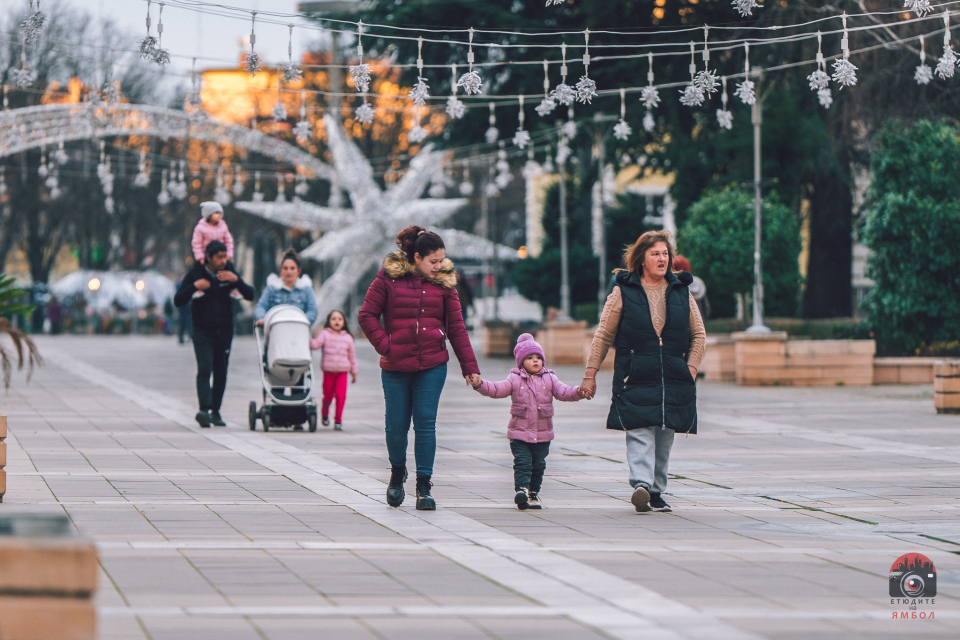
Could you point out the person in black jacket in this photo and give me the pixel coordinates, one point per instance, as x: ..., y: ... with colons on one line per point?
x: 209, y: 286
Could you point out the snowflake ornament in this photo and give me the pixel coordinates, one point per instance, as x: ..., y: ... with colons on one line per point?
x: 920, y: 7
x: 290, y: 72
x: 417, y: 135
x: 948, y: 63
x: 818, y: 80
x: 844, y: 73
x: 303, y: 131
x: 163, y: 199
x: 221, y: 195
x: 725, y: 118
x: 546, y: 106
x: 148, y: 48
x: 707, y: 81
x: 21, y: 78
x: 650, y: 97
x: 746, y: 7
x: 251, y: 63
x: 365, y: 113
x: 466, y: 188
x: 161, y: 57
x: 455, y: 107
x: 692, y: 96
x: 521, y: 138
x: 491, y: 135
x: 649, y: 124
x: 279, y: 113
x: 563, y: 94
x: 142, y: 180
x: 420, y: 92
x: 622, y: 130
x: 490, y: 190
x: 111, y: 93
x: 34, y: 24
x: 825, y: 97
x: 43, y: 171
x: 569, y: 129
x: 51, y: 182
x: 553, y: 2
x: 923, y: 74
x: 360, y: 74
x: 745, y: 91
x: 60, y: 156
x: 192, y: 101
x: 586, y: 90
x: 471, y: 82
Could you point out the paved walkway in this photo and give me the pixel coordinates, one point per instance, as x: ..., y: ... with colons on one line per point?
x: 789, y: 508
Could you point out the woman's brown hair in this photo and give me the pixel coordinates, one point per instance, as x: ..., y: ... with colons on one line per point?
x: 290, y: 254
x: 634, y: 254
x: 414, y: 240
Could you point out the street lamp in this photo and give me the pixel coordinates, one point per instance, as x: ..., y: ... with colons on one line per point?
x: 564, y: 245
x: 757, y: 117
x: 601, y: 132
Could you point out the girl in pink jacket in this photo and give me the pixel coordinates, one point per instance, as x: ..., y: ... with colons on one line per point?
x: 339, y: 358
x: 211, y: 227
x: 532, y: 390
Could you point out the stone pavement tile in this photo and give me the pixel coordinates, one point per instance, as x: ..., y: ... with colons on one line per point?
x: 251, y: 577
x: 195, y: 628
x: 312, y: 628
x: 414, y: 629
x: 342, y: 524
x: 157, y: 578
x: 190, y: 521
x: 517, y: 628
x: 343, y: 574
x: 119, y: 628
x: 112, y: 522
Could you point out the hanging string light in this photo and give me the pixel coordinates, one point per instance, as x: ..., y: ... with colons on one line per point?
x: 466, y: 185
x: 470, y: 81
x: 281, y: 185
x: 548, y: 104
x: 420, y: 94
x: 257, y: 195
x: 819, y: 80
x: 302, y: 129
x: 34, y: 24
x: 251, y: 61
x: 163, y: 198
x: 521, y: 138
x: 237, y: 186
x: 563, y: 93
x: 746, y: 89
x: 706, y: 79
x: 21, y: 76
x: 192, y: 101
x: 622, y: 130
x: 492, y: 134
x: 455, y: 107
x: 923, y: 73
x: 279, y: 113
x: 844, y: 73
x: 586, y: 88
x: 948, y: 62
x: 504, y: 177
x: 569, y: 128
x: 142, y: 178
x: 160, y: 55
x: 649, y: 95
x: 220, y: 194
x: 289, y: 70
x: 692, y: 95
x: 360, y: 73
x: 60, y: 155
x: 724, y: 117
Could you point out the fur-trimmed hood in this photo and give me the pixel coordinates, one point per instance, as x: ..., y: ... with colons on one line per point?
x: 303, y: 282
x: 396, y: 266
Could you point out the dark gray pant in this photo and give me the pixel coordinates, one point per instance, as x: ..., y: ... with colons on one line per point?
x: 529, y: 463
x: 212, y: 348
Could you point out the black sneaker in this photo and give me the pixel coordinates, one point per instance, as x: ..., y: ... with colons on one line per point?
x: 338, y: 426
x: 522, y: 498
x: 425, y: 501
x: 216, y: 420
x: 325, y: 421
x: 641, y: 499
x: 395, y: 492
x: 659, y: 504
x: 534, y: 502
x: 203, y: 419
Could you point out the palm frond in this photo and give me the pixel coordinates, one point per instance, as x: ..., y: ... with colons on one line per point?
x: 19, y: 339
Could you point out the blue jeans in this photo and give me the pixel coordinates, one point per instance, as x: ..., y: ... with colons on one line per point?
x: 413, y: 395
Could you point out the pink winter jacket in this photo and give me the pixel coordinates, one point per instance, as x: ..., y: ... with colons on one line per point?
x: 531, y: 414
x: 339, y: 352
x: 205, y: 233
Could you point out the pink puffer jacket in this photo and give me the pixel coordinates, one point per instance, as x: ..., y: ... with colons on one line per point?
x: 339, y: 352
x: 419, y: 316
x: 531, y: 414
x: 205, y: 233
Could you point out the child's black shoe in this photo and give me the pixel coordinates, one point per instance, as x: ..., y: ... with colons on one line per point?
x: 522, y: 499
x: 534, y: 501
x: 657, y: 503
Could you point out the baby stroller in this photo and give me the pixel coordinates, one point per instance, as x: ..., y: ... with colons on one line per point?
x: 286, y: 371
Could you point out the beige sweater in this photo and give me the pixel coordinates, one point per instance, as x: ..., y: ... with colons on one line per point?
x: 610, y: 321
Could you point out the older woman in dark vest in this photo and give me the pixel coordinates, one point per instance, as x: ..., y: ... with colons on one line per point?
x: 655, y: 326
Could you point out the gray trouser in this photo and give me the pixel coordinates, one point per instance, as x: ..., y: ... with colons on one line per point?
x: 648, y: 454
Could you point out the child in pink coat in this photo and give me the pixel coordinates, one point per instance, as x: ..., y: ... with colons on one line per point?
x: 532, y: 390
x: 210, y: 227
x: 339, y: 358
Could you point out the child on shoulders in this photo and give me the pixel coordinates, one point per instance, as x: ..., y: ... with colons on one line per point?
x: 210, y: 227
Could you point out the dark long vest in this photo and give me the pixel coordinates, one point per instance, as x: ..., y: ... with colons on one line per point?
x: 652, y: 386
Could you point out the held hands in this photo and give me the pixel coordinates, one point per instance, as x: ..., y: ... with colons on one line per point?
x: 227, y: 276
x: 588, y: 386
x: 202, y: 284
x: 473, y: 380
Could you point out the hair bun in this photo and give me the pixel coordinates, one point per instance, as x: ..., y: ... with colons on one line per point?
x: 524, y: 337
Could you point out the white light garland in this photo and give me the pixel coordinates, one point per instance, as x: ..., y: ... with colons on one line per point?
x: 649, y: 95
x: 303, y: 130
x: 586, y: 88
x: 289, y: 70
x: 365, y: 113
x: 649, y: 123
x: 455, y: 107
x: 521, y: 138
x: 492, y: 134
x: 923, y: 73
x: 548, y: 104
x: 563, y: 93
x: 746, y: 90
x: 947, y: 64
x: 724, y: 117
x: 622, y: 130
x: 251, y: 61
x: 34, y: 24
x: 692, y: 95
x: 844, y: 73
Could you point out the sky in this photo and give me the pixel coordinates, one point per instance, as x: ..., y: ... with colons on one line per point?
x: 217, y: 41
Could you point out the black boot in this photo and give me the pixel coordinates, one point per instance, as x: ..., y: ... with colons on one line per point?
x: 425, y: 501
x: 395, y: 492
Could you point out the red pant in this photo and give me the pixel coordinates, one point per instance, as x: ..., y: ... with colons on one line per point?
x: 334, y: 386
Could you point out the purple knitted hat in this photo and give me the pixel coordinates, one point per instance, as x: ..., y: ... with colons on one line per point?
x: 526, y: 346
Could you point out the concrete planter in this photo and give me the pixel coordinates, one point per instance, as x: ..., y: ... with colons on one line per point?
x: 946, y: 386
x: 772, y: 359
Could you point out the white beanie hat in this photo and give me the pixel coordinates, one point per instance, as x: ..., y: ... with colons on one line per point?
x: 210, y: 207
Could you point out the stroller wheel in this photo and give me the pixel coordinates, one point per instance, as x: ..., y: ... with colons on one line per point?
x: 312, y: 421
x: 265, y: 419
x: 252, y: 415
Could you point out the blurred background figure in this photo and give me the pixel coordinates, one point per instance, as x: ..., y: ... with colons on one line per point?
x: 698, y: 287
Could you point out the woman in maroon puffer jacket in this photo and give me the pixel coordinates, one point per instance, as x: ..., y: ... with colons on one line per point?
x: 415, y: 295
